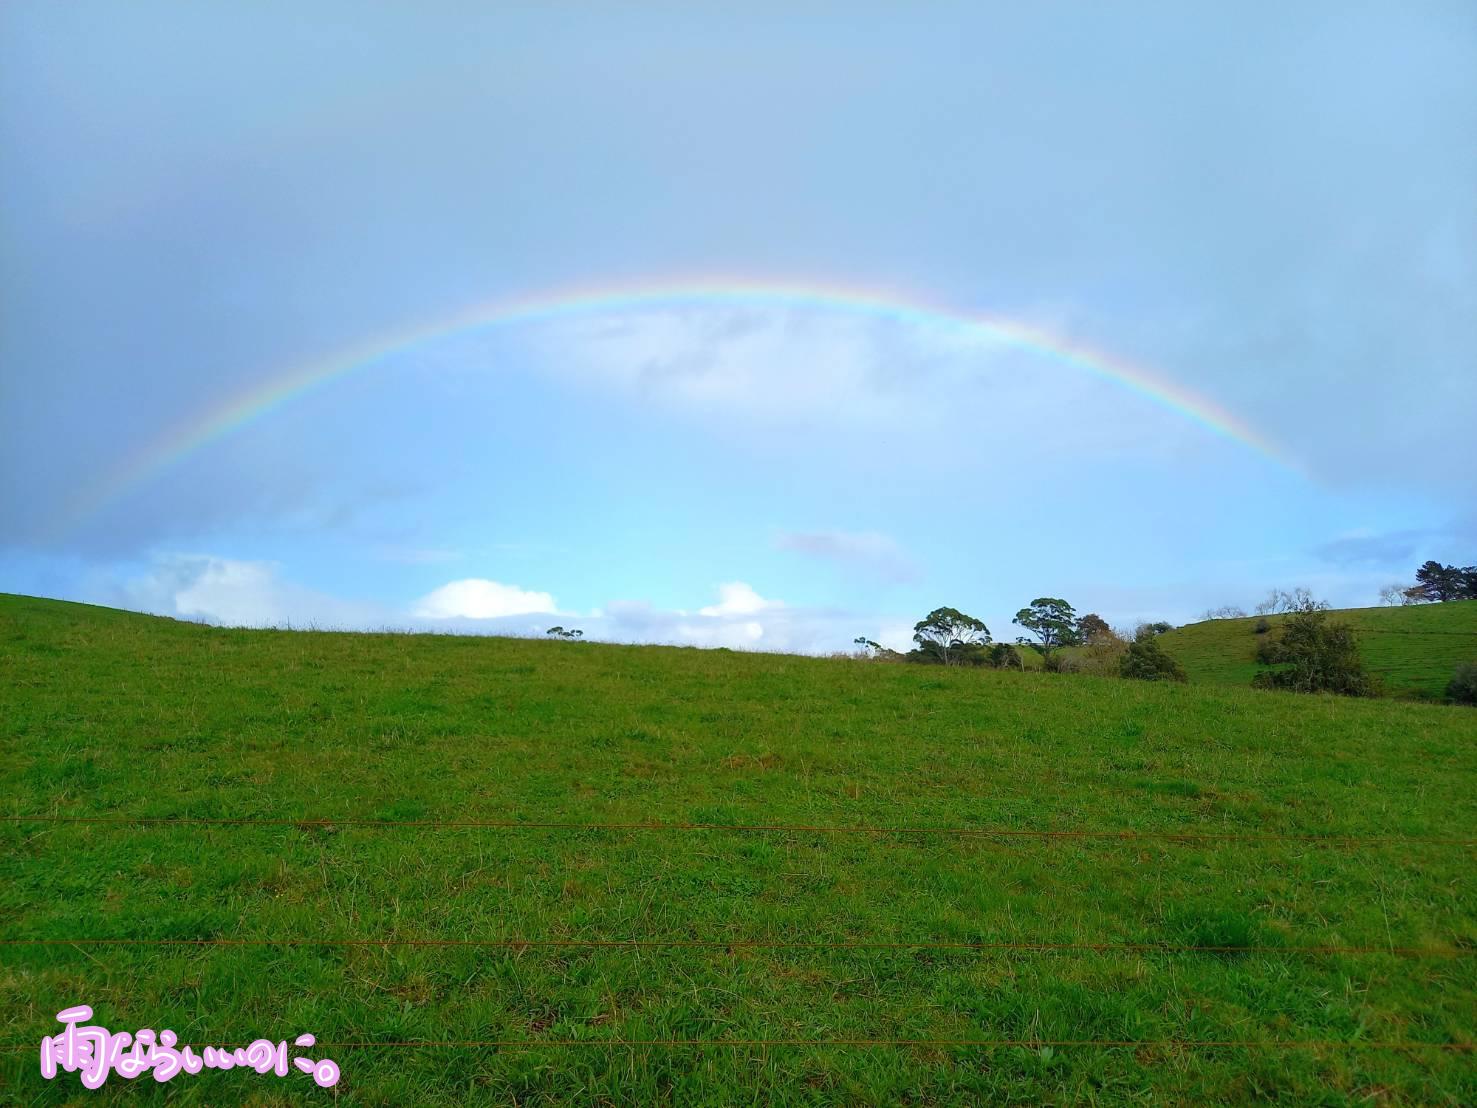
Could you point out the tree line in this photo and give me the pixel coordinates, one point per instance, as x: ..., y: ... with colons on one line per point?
x: 949, y: 637
x: 1434, y: 584
x: 1306, y: 651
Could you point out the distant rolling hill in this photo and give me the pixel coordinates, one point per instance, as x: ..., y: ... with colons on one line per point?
x: 1413, y: 649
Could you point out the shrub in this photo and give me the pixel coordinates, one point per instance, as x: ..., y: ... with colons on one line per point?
x: 1463, y: 686
x: 1146, y: 660
x: 924, y: 657
x: 1263, y: 625
x: 1103, y: 655
x: 1315, y: 655
x: 972, y: 654
x: 1003, y: 656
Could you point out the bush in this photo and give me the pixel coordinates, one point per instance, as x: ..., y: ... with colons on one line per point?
x: 1263, y: 625
x: 1146, y: 660
x: 1463, y: 686
x: 1315, y: 655
x: 1104, y: 655
x: 1002, y: 655
x: 972, y: 654
x: 924, y: 657
x: 1268, y: 651
x: 1054, y: 663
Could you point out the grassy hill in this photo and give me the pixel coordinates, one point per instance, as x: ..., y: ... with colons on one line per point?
x: 1414, y: 650
x: 1215, y: 895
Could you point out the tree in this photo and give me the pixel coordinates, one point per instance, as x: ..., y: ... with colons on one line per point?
x: 1146, y: 660
x: 1228, y: 611
x: 1157, y: 628
x: 946, y: 634
x: 1093, y: 628
x: 1440, y: 583
x: 1392, y: 596
x: 1284, y: 600
x: 873, y: 649
x: 1053, y: 621
x: 1314, y: 654
x: 1436, y: 582
x: 560, y: 633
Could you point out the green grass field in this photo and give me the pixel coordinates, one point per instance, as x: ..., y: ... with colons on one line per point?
x: 1348, y: 927
x: 1413, y: 650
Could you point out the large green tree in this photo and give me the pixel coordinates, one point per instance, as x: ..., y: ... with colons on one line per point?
x: 1052, y: 620
x: 1437, y: 582
x: 947, y: 634
x: 1093, y: 628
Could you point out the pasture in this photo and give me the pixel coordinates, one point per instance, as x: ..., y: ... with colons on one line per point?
x: 1412, y: 650
x: 491, y: 871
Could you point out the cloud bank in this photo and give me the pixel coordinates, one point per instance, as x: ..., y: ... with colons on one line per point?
x: 232, y: 592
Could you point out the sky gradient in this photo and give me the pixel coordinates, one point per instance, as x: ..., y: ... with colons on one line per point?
x: 745, y: 328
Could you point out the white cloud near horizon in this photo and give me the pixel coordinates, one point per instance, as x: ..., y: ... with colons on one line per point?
x: 479, y: 598
x: 735, y: 598
x: 231, y: 592
x: 239, y: 593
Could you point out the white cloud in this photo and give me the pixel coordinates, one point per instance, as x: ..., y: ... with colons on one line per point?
x: 478, y: 598
x: 233, y: 593
x: 738, y: 599
x: 741, y: 618
x: 809, y: 370
x: 254, y: 594
x: 896, y: 635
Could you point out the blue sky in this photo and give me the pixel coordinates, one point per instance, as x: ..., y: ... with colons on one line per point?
x: 1274, y: 209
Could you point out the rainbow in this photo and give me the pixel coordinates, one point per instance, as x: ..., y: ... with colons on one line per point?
x: 252, y: 404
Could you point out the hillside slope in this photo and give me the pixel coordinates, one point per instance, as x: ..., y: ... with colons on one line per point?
x: 1414, y: 650
x: 854, y: 883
